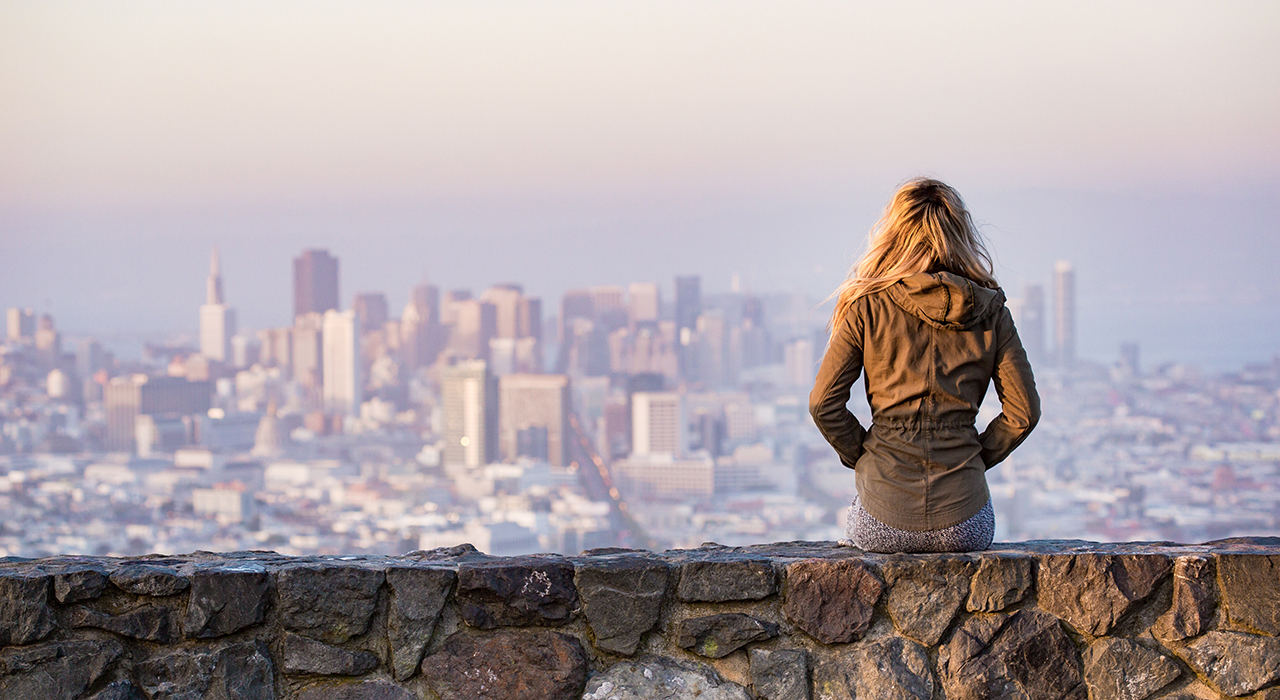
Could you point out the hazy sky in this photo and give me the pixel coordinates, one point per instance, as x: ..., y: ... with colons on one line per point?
x: 571, y: 143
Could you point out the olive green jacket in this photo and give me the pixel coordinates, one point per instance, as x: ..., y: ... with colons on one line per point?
x: 929, y: 346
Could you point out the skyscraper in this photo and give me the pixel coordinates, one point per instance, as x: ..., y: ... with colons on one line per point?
x: 371, y: 307
x: 315, y: 282
x: 469, y: 417
x: 657, y: 424
x: 1064, y: 309
x: 22, y: 324
x: 1031, y: 323
x: 688, y: 301
x: 217, y: 320
x: 643, y: 302
x: 533, y: 415
x: 342, y: 383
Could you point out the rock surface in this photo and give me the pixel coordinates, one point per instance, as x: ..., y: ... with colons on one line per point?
x: 926, y: 593
x: 226, y: 600
x: 418, y: 595
x: 329, y: 603
x: 118, y: 690
x: 149, y: 580
x: 240, y: 671
x: 1251, y: 590
x: 1193, y: 599
x: 660, y: 678
x: 725, y: 580
x: 151, y: 623
x: 516, y: 592
x: 832, y: 601
x: 79, y: 583
x: 1023, y: 655
x: 781, y: 674
x: 1120, y: 669
x: 55, y: 669
x: 886, y: 669
x: 1233, y: 662
x: 621, y: 599
x: 24, y: 608
x: 306, y: 655
x: 508, y: 664
x: 999, y: 582
x: 717, y: 636
x: 1093, y: 591
x: 364, y: 690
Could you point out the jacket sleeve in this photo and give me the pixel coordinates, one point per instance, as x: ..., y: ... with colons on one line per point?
x: 1019, y: 402
x: 840, y: 369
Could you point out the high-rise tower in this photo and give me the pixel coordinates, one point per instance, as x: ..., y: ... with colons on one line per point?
x: 217, y: 320
x: 1031, y: 323
x: 1064, y: 314
x: 315, y: 282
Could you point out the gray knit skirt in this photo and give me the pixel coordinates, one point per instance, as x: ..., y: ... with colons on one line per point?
x: 869, y: 534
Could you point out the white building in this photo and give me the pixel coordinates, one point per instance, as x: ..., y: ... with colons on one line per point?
x: 643, y: 301
x: 217, y: 320
x: 657, y: 423
x: 663, y: 477
x: 342, y: 384
x: 469, y: 415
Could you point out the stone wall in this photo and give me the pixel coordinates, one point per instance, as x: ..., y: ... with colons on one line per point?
x: 784, y: 621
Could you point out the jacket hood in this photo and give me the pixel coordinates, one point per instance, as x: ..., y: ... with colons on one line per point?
x: 946, y: 300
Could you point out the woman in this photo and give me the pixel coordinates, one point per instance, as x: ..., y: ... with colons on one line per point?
x: 922, y: 315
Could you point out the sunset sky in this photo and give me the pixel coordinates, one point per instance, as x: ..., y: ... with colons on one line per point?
x: 564, y: 144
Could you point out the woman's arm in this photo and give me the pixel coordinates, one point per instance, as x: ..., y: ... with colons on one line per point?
x: 1019, y: 402
x: 840, y: 369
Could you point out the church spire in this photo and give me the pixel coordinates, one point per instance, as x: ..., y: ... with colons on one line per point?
x: 213, y: 293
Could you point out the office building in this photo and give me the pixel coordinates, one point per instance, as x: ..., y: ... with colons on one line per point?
x: 657, y: 423
x: 21, y: 324
x: 643, y: 302
x: 315, y: 282
x: 306, y: 342
x: 1064, y: 312
x: 125, y: 398
x: 1030, y: 322
x: 533, y: 417
x: 371, y: 307
x: 470, y: 416
x: 475, y: 324
x: 664, y: 477
x: 342, y: 386
x: 217, y: 320
x: 798, y: 359
x: 688, y: 301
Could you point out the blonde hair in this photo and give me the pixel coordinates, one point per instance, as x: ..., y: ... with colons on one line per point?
x: 925, y: 228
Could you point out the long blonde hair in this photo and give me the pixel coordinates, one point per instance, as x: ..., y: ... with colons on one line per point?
x: 925, y: 228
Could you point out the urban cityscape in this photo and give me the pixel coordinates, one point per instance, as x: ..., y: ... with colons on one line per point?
x: 637, y: 415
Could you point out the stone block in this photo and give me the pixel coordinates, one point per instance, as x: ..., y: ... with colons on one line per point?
x: 418, y: 596
x: 661, y: 678
x: 1234, y: 662
x: 362, y: 690
x: 782, y: 674
x: 1093, y: 591
x: 925, y: 593
x: 1000, y: 581
x: 79, y: 583
x: 717, y: 636
x: 516, y: 592
x: 25, y: 616
x: 1024, y: 655
x: 722, y: 580
x: 55, y: 669
x: 622, y: 599
x: 1251, y: 590
x: 1121, y: 669
x: 891, y: 668
x: 151, y: 623
x: 1193, y: 599
x: 226, y: 600
x: 833, y: 601
x: 306, y: 655
x: 149, y: 580
x: 240, y: 671
x: 508, y: 664
x: 329, y: 602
